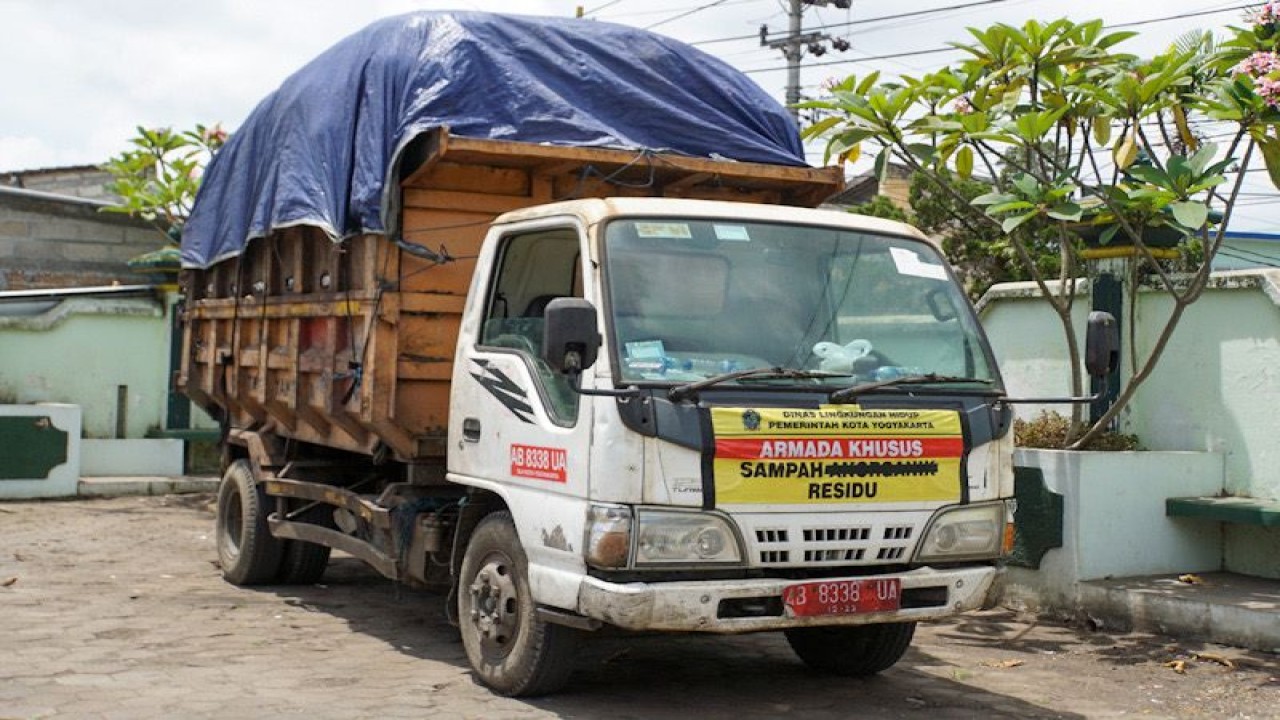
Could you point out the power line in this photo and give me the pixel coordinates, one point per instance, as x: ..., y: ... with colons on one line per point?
x: 687, y: 13
x: 598, y: 8
x: 1267, y: 262
x: 1184, y: 16
x: 619, y: 16
x: 863, y: 22
x: 934, y: 51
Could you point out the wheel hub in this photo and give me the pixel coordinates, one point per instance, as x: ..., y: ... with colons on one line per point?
x: 494, y: 606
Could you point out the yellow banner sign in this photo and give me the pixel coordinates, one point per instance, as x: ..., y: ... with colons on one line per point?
x: 836, y: 454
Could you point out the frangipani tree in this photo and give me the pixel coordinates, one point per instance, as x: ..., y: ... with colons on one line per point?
x: 158, y: 176
x: 1108, y: 152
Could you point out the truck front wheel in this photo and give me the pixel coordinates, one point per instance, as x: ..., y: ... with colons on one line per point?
x: 247, y: 552
x: 852, y: 651
x: 510, y: 649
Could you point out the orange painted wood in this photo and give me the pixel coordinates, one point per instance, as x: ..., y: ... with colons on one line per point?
x: 351, y: 344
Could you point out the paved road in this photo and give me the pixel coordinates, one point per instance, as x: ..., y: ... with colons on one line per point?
x: 115, y: 610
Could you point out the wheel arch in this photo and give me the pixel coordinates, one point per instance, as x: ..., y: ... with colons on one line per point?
x: 480, y: 503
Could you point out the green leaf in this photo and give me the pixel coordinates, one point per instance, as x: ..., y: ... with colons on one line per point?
x: 974, y: 122
x: 1027, y: 185
x: 1012, y: 223
x: 882, y: 165
x: 1149, y: 174
x: 1009, y: 206
x: 964, y: 162
x: 1190, y: 213
x: 1066, y: 211
x: 867, y: 82
x: 820, y: 127
x: 1108, y: 234
x: 1270, y: 148
x: 993, y: 198
x: 1110, y: 39
x: 922, y: 151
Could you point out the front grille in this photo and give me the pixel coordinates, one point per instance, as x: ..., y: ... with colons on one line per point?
x: 830, y: 556
x: 890, y: 553
x: 799, y: 541
x: 836, y: 534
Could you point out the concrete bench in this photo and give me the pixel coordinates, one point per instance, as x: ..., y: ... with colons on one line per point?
x: 1239, y: 510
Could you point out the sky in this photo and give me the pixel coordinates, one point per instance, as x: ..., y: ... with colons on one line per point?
x: 77, y: 76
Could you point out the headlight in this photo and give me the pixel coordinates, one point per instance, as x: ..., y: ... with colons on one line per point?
x: 969, y: 532
x: 672, y: 537
x: 608, y: 540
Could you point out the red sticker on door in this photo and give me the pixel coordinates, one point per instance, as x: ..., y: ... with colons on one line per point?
x: 541, y: 463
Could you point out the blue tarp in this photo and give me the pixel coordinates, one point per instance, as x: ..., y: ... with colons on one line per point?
x: 322, y: 148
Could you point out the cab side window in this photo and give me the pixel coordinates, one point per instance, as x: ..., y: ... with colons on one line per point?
x: 534, y: 269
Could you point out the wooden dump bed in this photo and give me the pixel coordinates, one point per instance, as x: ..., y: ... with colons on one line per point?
x: 351, y: 345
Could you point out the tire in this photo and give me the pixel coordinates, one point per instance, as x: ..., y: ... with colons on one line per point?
x: 249, y: 555
x: 854, y: 650
x: 510, y: 649
x: 304, y: 563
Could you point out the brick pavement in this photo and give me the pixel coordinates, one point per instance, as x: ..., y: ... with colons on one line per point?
x: 117, y: 611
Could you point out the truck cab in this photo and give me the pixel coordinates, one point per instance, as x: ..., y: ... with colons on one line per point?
x: 707, y: 416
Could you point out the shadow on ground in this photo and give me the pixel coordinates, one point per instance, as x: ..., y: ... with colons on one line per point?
x: 627, y: 675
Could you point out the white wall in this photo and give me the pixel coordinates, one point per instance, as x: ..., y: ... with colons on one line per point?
x: 1217, y: 387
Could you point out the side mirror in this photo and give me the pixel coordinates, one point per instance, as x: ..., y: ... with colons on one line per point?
x: 570, y: 337
x: 1102, y: 344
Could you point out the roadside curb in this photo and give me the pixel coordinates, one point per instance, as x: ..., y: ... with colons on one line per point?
x: 1219, y: 607
x: 122, y: 486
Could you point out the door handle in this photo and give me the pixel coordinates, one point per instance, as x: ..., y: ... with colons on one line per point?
x: 471, y: 429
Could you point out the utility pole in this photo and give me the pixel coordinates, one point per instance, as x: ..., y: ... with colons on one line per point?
x: 793, y: 44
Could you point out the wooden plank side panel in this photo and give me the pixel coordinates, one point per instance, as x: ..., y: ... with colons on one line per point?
x: 353, y: 347
x: 460, y: 232
x: 803, y: 186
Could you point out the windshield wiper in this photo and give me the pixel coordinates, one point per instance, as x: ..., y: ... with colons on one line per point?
x: 851, y: 393
x: 680, y: 392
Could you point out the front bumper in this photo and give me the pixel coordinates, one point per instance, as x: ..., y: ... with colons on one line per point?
x: 701, y: 605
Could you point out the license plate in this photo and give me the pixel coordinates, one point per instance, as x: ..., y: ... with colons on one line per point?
x: 843, y: 597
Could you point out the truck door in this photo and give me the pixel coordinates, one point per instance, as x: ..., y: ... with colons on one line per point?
x: 513, y: 421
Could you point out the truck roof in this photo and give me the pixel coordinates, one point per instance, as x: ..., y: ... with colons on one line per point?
x: 594, y: 210
x: 326, y: 148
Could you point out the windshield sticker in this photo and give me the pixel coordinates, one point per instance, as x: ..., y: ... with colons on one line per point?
x: 732, y: 233
x: 908, y: 262
x: 678, y: 231
x: 836, y: 454
x: 646, y: 349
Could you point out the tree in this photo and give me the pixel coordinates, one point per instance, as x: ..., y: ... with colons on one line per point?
x: 158, y: 177
x: 1086, y: 144
x: 981, y: 255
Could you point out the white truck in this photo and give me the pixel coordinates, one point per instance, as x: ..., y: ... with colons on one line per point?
x: 648, y: 407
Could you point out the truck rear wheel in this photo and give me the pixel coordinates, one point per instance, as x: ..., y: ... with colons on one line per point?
x: 249, y: 555
x: 302, y: 562
x: 852, y: 651
x: 510, y: 649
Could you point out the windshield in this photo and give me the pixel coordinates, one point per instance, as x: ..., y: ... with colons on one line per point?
x: 692, y: 299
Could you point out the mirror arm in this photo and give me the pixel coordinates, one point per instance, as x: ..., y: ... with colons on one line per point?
x: 1084, y: 400
x: 573, y: 369
x: 575, y: 382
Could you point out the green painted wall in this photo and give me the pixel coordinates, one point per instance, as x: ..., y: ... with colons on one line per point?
x: 83, y: 354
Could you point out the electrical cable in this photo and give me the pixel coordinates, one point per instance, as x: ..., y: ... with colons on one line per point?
x: 685, y: 14
x: 934, y: 51
x: 597, y: 9
x: 1269, y: 262
x: 879, y: 18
